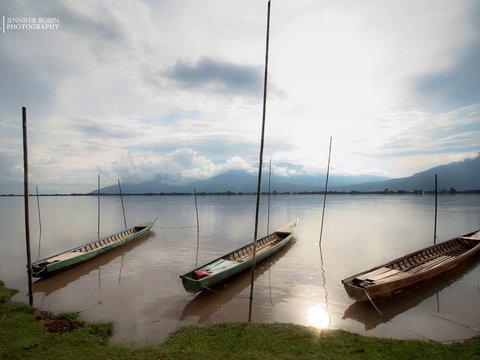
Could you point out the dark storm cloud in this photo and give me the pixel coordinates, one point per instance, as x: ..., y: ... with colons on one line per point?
x: 218, y: 76
x: 460, y: 85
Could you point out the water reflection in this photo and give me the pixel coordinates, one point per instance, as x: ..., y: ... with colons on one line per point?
x: 391, y: 307
x: 206, y: 303
x: 143, y: 286
x: 318, y: 317
x: 52, y: 284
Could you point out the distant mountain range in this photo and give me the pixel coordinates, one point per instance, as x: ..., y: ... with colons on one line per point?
x: 461, y: 176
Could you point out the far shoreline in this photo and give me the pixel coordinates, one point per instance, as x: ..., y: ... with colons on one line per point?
x: 274, y: 193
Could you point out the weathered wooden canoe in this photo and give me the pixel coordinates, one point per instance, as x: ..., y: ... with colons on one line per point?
x: 67, y: 259
x: 392, y: 306
x: 421, y: 265
x: 238, y: 260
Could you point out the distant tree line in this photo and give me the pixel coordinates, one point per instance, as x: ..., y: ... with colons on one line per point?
x: 386, y: 191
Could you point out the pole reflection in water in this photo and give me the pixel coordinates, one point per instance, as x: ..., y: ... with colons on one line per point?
x: 120, y: 271
x: 318, y: 316
x: 99, y: 301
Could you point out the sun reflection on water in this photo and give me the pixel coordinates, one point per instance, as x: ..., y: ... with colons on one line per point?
x: 318, y: 317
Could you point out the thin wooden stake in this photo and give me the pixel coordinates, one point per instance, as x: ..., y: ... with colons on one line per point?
x: 326, y: 188
x: 123, y: 208
x: 198, y: 226
x: 27, y: 209
x: 38, y: 208
x: 435, y: 221
x: 196, y: 209
x: 98, y: 207
x: 260, y: 166
x: 268, y: 207
x: 39, y: 224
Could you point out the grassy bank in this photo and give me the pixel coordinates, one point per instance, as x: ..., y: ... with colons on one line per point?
x: 26, y: 333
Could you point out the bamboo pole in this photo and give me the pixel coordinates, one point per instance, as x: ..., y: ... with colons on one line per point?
x: 198, y: 227
x: 98, y: 208
x: 123, y: 208
x: 269, y: 193
x: 326, y: 188
x: 260, y: 165
x: 27, y: 210
x: 38, y: 208
x: 196, y: 210
x: 39, y: 224
x: 435, y: 220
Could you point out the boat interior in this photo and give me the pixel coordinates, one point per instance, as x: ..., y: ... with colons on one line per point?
x: 268, y: 241
x: 93, y: 245
x: 420, y: 261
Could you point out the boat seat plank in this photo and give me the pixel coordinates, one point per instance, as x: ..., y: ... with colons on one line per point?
x: 392, y: 277
x: 473, y: 237
x: 373, y: 273
x: 382, y: 275
x: 62, y: 257
x: 428, y: 265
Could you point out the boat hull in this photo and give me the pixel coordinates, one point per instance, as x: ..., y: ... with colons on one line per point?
x: 420, y: 266
x: 227, y: 266
x: 73, y: 257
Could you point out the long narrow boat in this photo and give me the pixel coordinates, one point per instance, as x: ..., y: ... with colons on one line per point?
x: 67, y: 259
x: 421, y: 265
x: 237, y: 261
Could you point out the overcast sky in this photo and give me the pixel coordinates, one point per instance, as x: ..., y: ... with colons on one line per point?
x: 132, y: 89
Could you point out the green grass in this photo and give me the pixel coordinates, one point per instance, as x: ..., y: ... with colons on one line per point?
x: 22, y: 336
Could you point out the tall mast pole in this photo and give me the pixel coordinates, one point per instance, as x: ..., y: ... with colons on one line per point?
x: 260, y: 165
x: 269, y: 192
x: 436, y: 206
x: 98, y: 207
x: 27, y: 210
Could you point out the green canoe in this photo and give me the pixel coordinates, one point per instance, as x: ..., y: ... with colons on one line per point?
x: 67, y: 259
x: 236, y: 261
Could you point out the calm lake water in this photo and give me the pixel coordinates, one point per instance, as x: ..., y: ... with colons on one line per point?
x: 137, y: 286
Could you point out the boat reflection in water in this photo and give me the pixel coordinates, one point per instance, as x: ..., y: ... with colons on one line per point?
x: 50, y: 285
x: 397, y: 304
x: 206, y: 303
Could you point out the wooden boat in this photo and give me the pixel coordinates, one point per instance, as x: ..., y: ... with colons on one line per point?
x: 67, y: 259
x: 237, y: 261
x: 392, y: 306
x: 421, y: 265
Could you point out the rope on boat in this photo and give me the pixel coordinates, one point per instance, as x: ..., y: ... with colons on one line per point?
x: 371, y: 301
x: 176, y: 227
